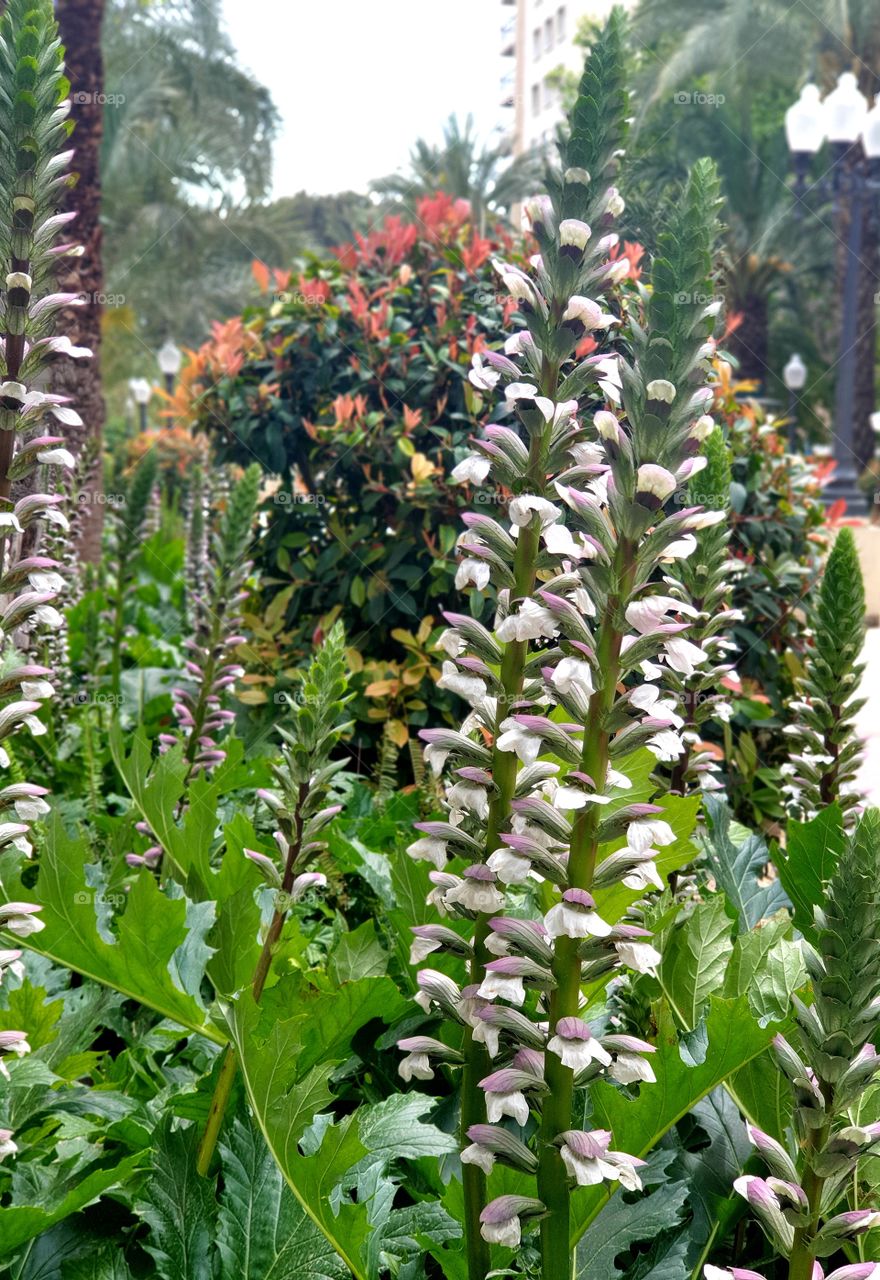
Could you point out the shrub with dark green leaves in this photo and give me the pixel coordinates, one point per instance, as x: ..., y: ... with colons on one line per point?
x: 350, y: 386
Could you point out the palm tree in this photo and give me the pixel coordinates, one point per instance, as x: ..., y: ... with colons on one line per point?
x: 487, y: 177
x: 186, y: 163
x: 80, y: 23
x: 736, y: 47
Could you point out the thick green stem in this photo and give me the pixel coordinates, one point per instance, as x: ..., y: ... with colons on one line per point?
x: 803, y: 1255
x: 229, y: 1069
x: 118, y: 629
x: 553, y: 1180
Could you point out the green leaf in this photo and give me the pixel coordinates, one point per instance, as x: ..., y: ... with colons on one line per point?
x: 626, y: 1220
x: 695, y: 959
x: 359, y: 954
x: 287, y: 1063
x: 19, y: 1223
x: 736, y: 863
x: 782, y: 973
x: 178, y: 1205
x: 734, y: 1039
x: 750, y: 951
x: 143, y: 959
x: 264, y: 1232
x: 808, y: 862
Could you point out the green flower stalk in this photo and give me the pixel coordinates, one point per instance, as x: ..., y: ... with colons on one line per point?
x: 200, y: 714
x: 302, y: 803
x: 129, y: 523
x: 702, y: 581
x: 561, y: 688
x: 801, y: 1204
x: 34, y: 130
x: 828, y: 752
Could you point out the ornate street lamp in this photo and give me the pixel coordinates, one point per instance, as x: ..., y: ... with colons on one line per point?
x: 794, y: 375
x: 170, y: 358
x: 141, y: 391
x: 853, y: 132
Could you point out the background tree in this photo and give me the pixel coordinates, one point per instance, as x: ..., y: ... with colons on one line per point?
x: 485, y: 176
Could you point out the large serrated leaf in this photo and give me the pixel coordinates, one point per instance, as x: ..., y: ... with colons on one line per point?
x: 178, y: 1205
x: 695, y: 960
x: 626, y: 1220
x: 263, y: 1232
x: 807, y: 863
x: 142, y: 962
x: 736, y: 864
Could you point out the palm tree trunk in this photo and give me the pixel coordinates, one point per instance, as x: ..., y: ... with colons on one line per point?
x: 80, y: 22
x: 749, y: 340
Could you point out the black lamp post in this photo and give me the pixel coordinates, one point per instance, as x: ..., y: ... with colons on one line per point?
x: 141, y: 392
x: 853, y: 132
x: 169, y: 358
x: 794, y: 375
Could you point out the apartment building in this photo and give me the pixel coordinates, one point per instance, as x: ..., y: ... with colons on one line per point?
x: 537, y: 36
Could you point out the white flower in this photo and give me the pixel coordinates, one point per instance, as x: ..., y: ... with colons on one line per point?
x: 429, y: 849
x: 451, y: 642
x: 576, y: 798
x: 470, y: 796
x: 7, y: 1146
x: 665, y: 745
x: 705, y: 519
x: 507, y: 1232
x: 48, y: 617
x: 703, y: 427
x: 19, y: 918
x: 37, y: 690
x: 471, y: 470
x: 643, y: 875
x: 647, y: 698
x: 559, y: 541
x: 471, y: 688
x: 482, y: 1157
x: 472, y: 571
x: 661, y: 389
x: 575, y: 917
x: 642, y: 834
x: 574, y: 232
x: 607, y: 425
x: 504, y: 986
x: 630, y: 1068
x: 648, y: 615
x: 512, y: 1104
x: 683, y: 656
x: 656, y: 481
x: 614, y: 203
x: 514, y: 737
x: 57, y: 457
x: 477, y: 891
x: 509, y: 866
x: 639, y: 956
x: 576, y: 1046
x: 482, y: 376
x: 522, y: 508
x: 680, y: 549
x: 587, y: 1170
x: 574, y: 675
x: 587, y: 313
x: 415, y: 1066
x: 531, y: 622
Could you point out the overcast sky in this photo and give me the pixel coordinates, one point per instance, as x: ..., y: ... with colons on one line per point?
x: 357, y: 81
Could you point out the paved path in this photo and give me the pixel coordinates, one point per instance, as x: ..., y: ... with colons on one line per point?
x: 868, y: 719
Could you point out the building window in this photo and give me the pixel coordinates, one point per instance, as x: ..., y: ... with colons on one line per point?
x: 536, y: 99
x: 536, y: 43
x: 550, y: 95
x: 548, y: 34
x: 560, y: 24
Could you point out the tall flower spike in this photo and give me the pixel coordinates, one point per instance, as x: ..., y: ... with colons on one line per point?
x: 129, y: 520
x: 700, y: 575
x: 33, y: 170
x: 577, y: 621
x: 211, y: 668
x: 834, y: 1065
x: 828, y: 751
x: 302, y: 804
